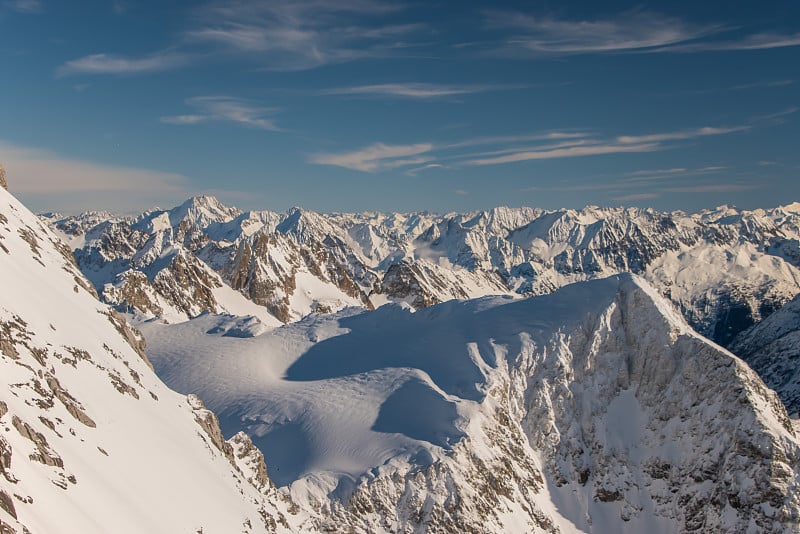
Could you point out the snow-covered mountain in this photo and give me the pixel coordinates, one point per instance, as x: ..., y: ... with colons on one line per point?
x: 592, y: 409
x: 725, y: 269
x: 772, y: 349
x: 91, y: 441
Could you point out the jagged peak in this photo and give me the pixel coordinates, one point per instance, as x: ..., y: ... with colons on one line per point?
x: 720, y: 211
x: 202, y: 210
x: 291, y: 220
x: 794, y: 207
x: 88, y: 215
x: 303, y: 223
x: 203, y: 202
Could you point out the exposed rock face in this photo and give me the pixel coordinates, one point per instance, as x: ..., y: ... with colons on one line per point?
x: 7, y: 504
x: 772, y: 349
x: 44, y: 454
x: 210, y: 424
x: 133, y: 292
x: 264, y: 279
x: 70, y: 403
x: 404, y: 280
x: 250, y: 461
x: 5, y: 459
x: 133, y: 337
x: 3, y: 179
x: 645, y: 380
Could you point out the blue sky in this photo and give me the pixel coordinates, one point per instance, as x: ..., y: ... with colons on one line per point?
x: 364, y: 105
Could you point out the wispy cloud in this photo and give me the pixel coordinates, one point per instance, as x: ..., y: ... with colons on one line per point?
x: 539, y: 147
x: 679, y: 135
x: 376, y: 157
x: 659, y: 172
x: 777, y: 117
x: 649, y: 177
x: 767, y: 84
x: 50, y: 181
x: 629, y: 32
x: 113, y: 64
x: 711, y: 188
x: 648, y: 184
x: 302, y: 34
x: 758, y: 41
x: 272, y: 34
x: 225, y: 109
x: 566, y: 152
x: 24, y: 6
x: 634, y: 197
x: 430, y: 166
x: 418, y: 91
x: 508, y: 149
x: 513, y: 139
x: 760, y: 85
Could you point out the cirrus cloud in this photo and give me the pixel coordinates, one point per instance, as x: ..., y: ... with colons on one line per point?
x: 120, y: 65
x: 376, y: 157
x: 225, y: 109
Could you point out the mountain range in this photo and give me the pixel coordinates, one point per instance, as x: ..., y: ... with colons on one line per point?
x: 724, y: 269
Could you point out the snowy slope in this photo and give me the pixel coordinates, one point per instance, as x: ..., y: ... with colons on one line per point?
x: 593, y: 409
x: 772, y: 349
x: 91, y: 441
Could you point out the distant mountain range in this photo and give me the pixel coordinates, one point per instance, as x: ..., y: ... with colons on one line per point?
x: 724, y: 269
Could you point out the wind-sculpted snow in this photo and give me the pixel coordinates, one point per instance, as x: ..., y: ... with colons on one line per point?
x: 595, y: 408
x: 91, y: 441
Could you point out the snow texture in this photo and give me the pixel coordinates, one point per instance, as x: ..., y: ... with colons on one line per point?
x: 595, y: 408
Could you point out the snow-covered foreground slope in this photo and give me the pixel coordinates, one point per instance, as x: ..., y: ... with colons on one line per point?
x: 772, y: 349
x: 91, y: 441
x: 595, y: 409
